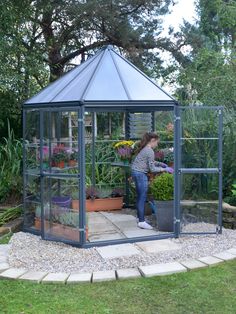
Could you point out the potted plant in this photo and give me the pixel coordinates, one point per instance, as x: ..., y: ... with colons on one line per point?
x: 124, y: 150
x: 103, y: 199
x: 59, y: 158
x: 162, y: 190
x: 73, y: 158
x: 165, y: 155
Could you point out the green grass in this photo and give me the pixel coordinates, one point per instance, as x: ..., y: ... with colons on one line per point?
x: 210, y: 290
x: 6, y: 238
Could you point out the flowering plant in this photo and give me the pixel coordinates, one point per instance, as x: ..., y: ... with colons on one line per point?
x: 124, y: 149
x: 165, y: 155
x: 59, y: 154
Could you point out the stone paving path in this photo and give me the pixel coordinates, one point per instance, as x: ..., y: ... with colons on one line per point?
x: 110, y: 226
x: 110, y: 252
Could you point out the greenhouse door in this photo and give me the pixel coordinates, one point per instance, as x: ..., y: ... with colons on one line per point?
x: 198, y: 170
x: 62, y: 175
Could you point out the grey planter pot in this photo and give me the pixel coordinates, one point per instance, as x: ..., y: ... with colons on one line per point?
x: 165, y: 215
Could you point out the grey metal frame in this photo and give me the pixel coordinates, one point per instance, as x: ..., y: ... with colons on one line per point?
x: 148, y: 106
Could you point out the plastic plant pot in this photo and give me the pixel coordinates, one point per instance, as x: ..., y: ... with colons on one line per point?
x: 63, y: 201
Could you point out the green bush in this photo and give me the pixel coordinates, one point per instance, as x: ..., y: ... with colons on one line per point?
x: 162, y: 187
x: 11, y: 153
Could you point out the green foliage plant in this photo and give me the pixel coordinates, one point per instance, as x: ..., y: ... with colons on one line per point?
x: 162, y: 187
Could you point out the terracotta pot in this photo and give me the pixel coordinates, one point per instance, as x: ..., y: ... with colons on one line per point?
x: 101, y: 204
x: 72, y: 163
x: 60, y: 230
x: 171, y: 164
x: 60, y: 164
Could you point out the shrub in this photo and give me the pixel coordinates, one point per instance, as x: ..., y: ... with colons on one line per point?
x: 162, y: 187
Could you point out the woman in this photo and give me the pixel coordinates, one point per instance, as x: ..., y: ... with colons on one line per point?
x: 143, y: 163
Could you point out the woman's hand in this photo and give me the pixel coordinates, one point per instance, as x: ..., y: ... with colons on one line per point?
x: 169, y: 170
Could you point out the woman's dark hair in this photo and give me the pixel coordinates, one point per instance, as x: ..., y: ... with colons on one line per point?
x: 147, y: 137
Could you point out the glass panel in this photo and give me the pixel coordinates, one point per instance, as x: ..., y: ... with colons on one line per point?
x: 139, y: 86
x: 199, y: 202
x: 106, y: 83
x: 32, y: 139
x: 60, y: 213
x: 60, y: 150
x: 199, y: 138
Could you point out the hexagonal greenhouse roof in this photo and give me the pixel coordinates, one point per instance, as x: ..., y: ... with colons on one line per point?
x: 106, y: 76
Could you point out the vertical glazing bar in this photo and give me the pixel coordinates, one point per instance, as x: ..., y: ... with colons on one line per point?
x: 220, y: 149
x: 177, y: 156
x: 153, y: 121
x: 127, y: 136
x: 41, y: 172
x: 24, y: 163
x: 93, y: 150
x: 50, y: 158
x: 81, y: 143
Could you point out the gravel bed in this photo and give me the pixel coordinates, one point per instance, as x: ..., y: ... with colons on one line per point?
x: 31, y: 252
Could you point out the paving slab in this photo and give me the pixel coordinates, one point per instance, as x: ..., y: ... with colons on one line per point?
x: 157, y: 246
x: 79, y: 277
x: 210, y: 260
x: 35, y: 276
x: 55, y: 278
x: 139, y: 233
x: 126, y: 225
x: 105, y: 236
x: 128, y: 273
x: 118, y: 217
x: 119, y: 250
x: 232, y: 251
x: 162, y: 269
x: 13, y: 273
x: 3, y: 259
x: 105, y: 275
x: 226, y: 256
x: 192, y: 264
x: 101, y: 227
x: 4, y: 248
x: 4, y: 266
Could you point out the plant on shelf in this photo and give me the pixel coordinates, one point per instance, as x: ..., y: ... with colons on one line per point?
x: 101, y: 199
x: 73, y: 158
x: 59, y: 157
x: 162, y: 191
x: 124, y: 150
x: 165, y: 155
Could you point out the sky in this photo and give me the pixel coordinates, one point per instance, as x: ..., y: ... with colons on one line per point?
x: 184, y: 9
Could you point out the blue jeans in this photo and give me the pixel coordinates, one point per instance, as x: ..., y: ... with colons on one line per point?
x: 141, y: 184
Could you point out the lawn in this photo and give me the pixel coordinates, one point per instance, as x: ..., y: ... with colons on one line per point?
x: 210, y: 290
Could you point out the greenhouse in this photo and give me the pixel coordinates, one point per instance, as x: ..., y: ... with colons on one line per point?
x: 79, y: 136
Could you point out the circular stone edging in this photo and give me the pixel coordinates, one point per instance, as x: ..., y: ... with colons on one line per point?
x: 8, y: 272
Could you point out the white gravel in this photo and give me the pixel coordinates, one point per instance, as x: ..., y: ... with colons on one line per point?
x: 31, y: 252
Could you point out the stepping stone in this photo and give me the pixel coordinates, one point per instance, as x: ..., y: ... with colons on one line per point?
x: 231, y: 251
x: 139, y: 233
x: 35, y: 276
x: 55, y: 278
x: 119, y: 250
x: 4, y: 266
x: 162, y: 269
x: 79, y: 277
x: 105, y: 275
x: 157, y: 246
x: 105, y: 236
x: 13, y: 273
x: 192, y: 264
x: 128, y: 273
x: 225, y: 256
x: 210, y: 260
